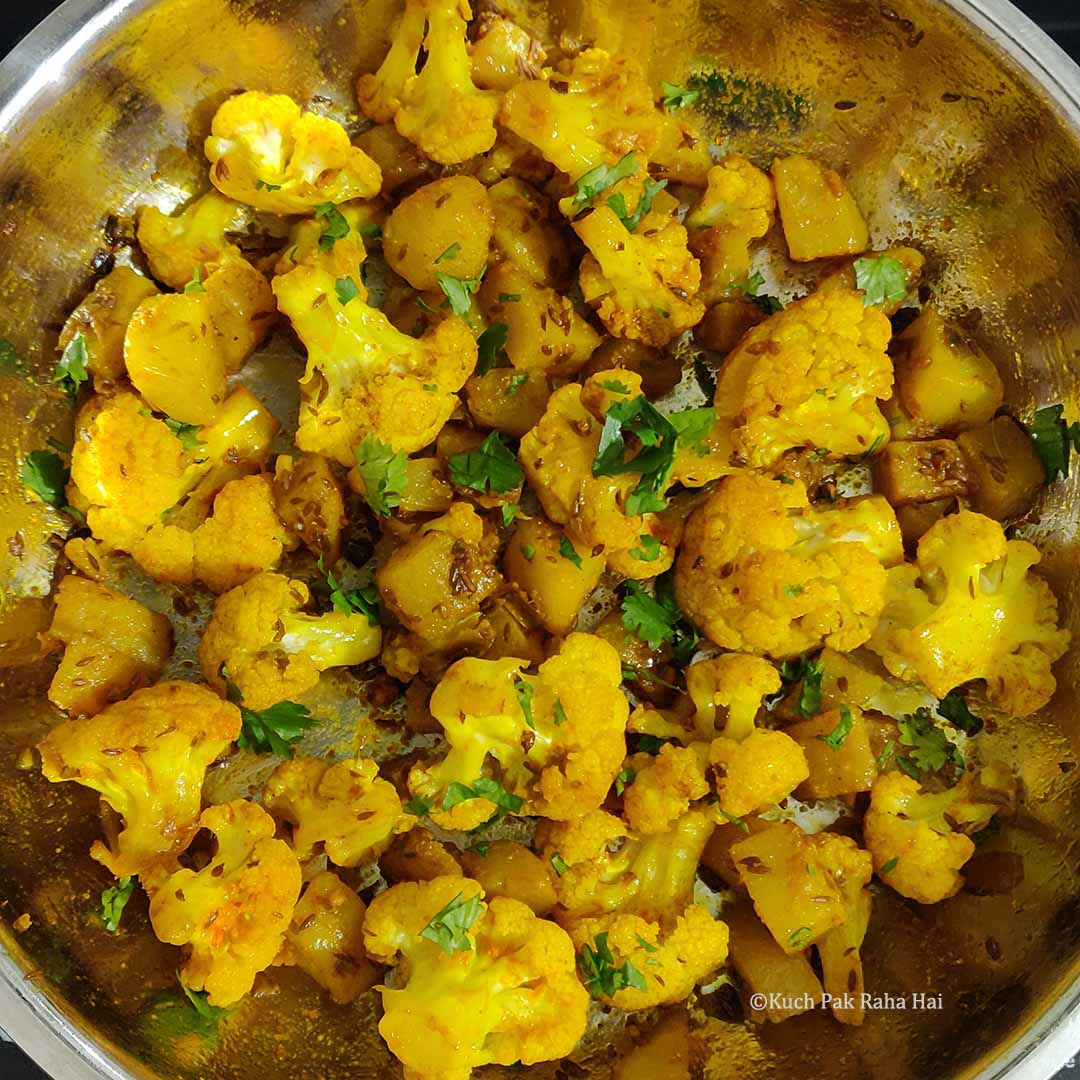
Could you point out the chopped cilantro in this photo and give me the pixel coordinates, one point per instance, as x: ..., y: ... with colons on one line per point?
x: 792, y: 591
x: 346, y: 289
x: 615, y: 387
x: 692, y: 426
x: 458, y: 291
x: 600, y: 975
x: 882, y: 280
x: 568, y: 552
x: 648, y: 549
x: 46, y: 476
x: 262, y: 185
x: 954, y: 708
x: 559, y: 864
x: 656, y: 620
x: 188, y: 434
x: 483, y: 788
x: 738, y: 822
x: 603, y: 177
x: 509, y: 512
x: 888, y: 752
x: 364, y: 600
x: 559, y: 713
x: 273, y: 730
x: 335, y: 227
x: 752, y: 288
x: 835, y: 739
x: 490, y: 467
x: 383, y: 472
x: 930, y: 750
x: 509, y: 297
x: 449, y: 927
x: 809, y: 673
x: 515, y: 384
x: 890, y: 866
x: 195, y: 285
x: 677, y: 97
x: 800, y: 938
x: 450, y: 252
x: 625, y: 778
x: 523, y: 691
x: 617, y: 204
x: 113, y: 901
x: 488, y: 346
x: 418, y: 806
x: 528, y: 552
x: 783, y: 478
x: 71, y: 368
x: 1054, y: 440
x: 369, y: 231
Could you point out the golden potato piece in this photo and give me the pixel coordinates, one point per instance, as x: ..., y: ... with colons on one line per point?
x: 308, y: 499
x: 445, y: 226
x: 819, y: 215
x: 512, y: 870
x: 507, y: 400
x: 908, y: 472
x: 528, y: 232
x: 1005, y: 468
x: 840, y: 770
x: 242, y: 310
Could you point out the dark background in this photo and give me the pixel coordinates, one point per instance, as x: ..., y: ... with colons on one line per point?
x: 1059, y: 18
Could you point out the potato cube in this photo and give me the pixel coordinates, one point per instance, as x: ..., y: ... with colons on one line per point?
x: 1005, y: 468
x: 507, y: 400
x: 848, y: 768
x: 511, y: 870
x: 726, y: 322
x: 660, y: 371
x: 910, y: 472
x: 308, y: 499
x: 916, y: 518
x: 819, y: 215
x: 529, y: 233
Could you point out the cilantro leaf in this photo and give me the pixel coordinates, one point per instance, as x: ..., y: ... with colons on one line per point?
x: 262, y: 185
x: 677, y: 97
x: 835, y: 739
x: 515, y: 384
x: 458, y: 291
x: 651, y: 621
x: 1054, y: 439
x: 800, y: 938
x: 617, y: 203
x: 488, y: 346
x: 706, y: 378
x: 890, y: 866
x: 654, y: 460
x: 692, y: 426
x: 44, y: 474
x: 490, y: 467
x: 71, y: 370
x: 509, y: 512
x: 930, y: 750
x: 882, y: 280
x: 599, y: 973
x: 615, y: 387
x: 625, y: 777
x: 568, y: 551
x: 752, y: 287
x: 113, y: 901
x: 590, y: 184
x: 449, y: 927
x: 195, y: 285
x: 509, y: 297
x: 335, y: 227
x: 188, y: 434
x: 648, y: 549
x: 449, y: 253
x: 482, y: 788
x: 383, y: 472
x: 369, y: 231
x: 559, y: 864
x: 346, y: 290
x: 528, y: 551
x: 200, y: 1002
x: 524, y: 693
x: 954, y: 708
x: 365, y: 600
x: 809, y: 673
x: 558, y: 713
x: 272, y: 730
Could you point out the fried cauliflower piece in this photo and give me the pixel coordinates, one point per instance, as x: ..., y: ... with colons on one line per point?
x: 737, y: 207
x: 418, y: 856
x: 668, y: 964
x: 559, y: 765
x: 476, y: 983
x: 146, y: 757
x: 593, y: 110
x: 112, y: 645
x: 440, y: 110
x: 808, y: 376
x: 756, y: 772
x: 233, y: 913
x: 344, y: 809
x: 265, y: 152
x: 325, y: 939
x: 503, y: 53
x: 364, y: 376
x: 435, y: 585
x: 733, y: 681
x: 607, y: 869
x: 642, y: 284
x: 242, y: 537
x: 664, y: 786
x: 761, y: 571
x: 920, y: 840
x: 271, y: 649
x: 131, y: 468
x: 193, y: 239
x: 102, y: 320
x: 969, y: 608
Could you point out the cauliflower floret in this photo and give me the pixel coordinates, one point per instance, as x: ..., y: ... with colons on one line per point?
x: 440, y: 110
x: 734, y: 681
x: 482, y: 983
x: 146, y: 756
x: 242, y: 537
x: 738, y: 207
x: 418, y: 856
x: 664, y: 786
x: 325, y: 939
x: 592, y: 111
x: 968, y: 608
x: 102, y: 320
x: 605, y: 869
x: 800, y: 885
x: 363, y: 375
x: 344, y: 809
x: 193, y: 239
x: 271, y: 649
x: 643, y: 284
x: 920, y: 840
x: 556, y: 738
x: 112, y: 645
x: 265, y: 152
x: 435, y: 584
x: 808, y: 376
x: 761, y: 571
x: 234, y: 912
x: 668, y: 964
x: 757, y: 772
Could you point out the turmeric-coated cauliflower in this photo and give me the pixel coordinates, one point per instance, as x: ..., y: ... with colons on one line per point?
x: 265, y: 152
x: 440, y: 109
x: 968, y: 608
x: 762, y: 571
x: 344, y: 809
x: 554, y: 741
x: 808, y: 376
x: 756, y: 772
x: 642, y: 283
x: 735, y: 682
x: 234, y: 912
x: 363, y: 375
x: 476, y: 983
x: 271, y: 649
x: 112, y: 645
x: 920, y: 840
x: 146, y: 756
